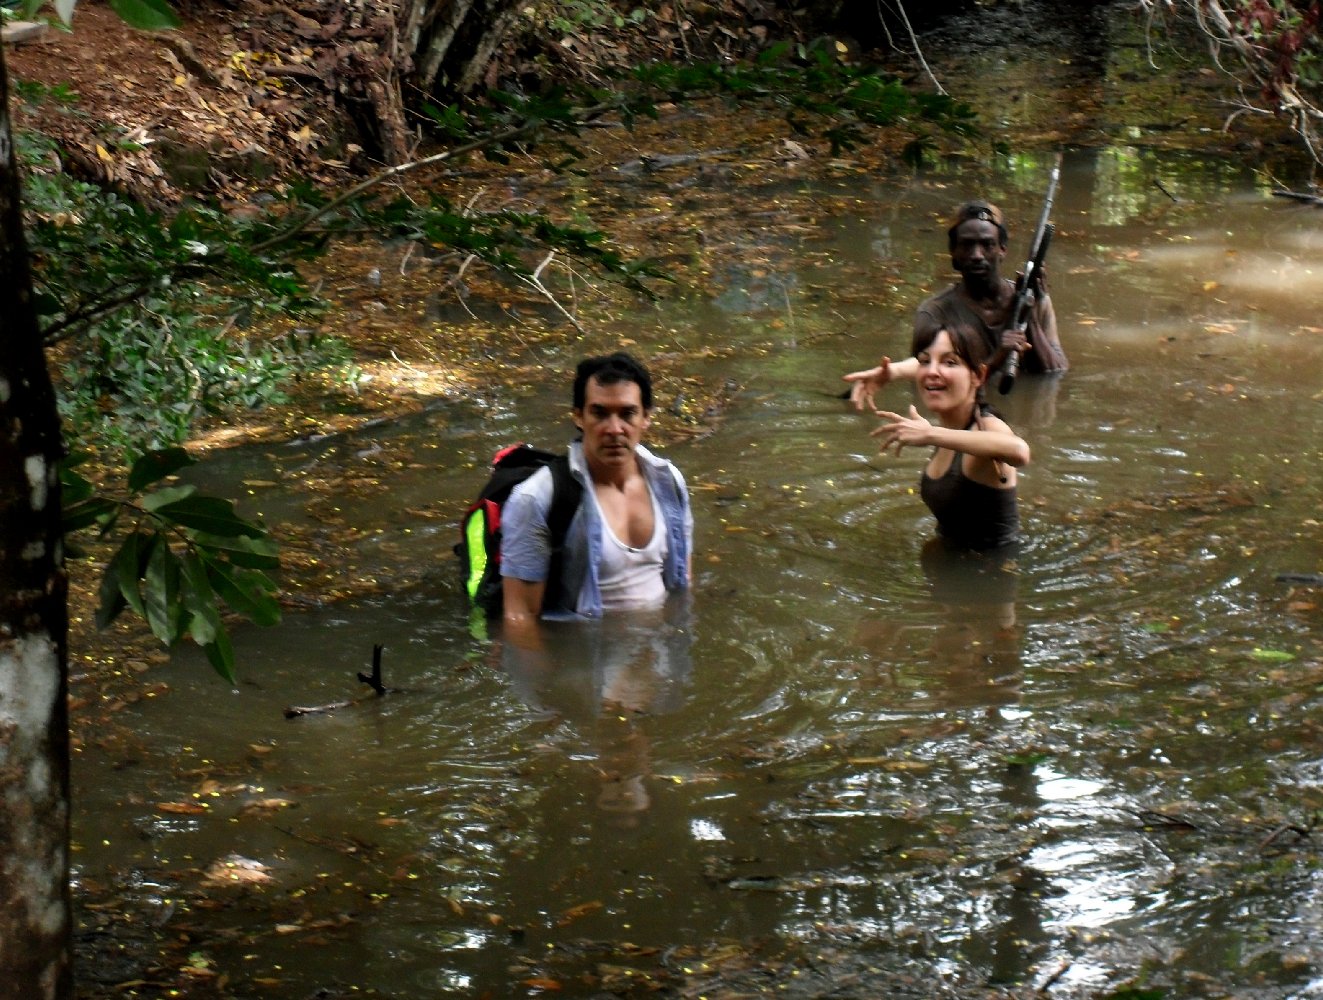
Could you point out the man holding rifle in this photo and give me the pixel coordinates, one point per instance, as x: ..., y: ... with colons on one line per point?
x: 982, y: 300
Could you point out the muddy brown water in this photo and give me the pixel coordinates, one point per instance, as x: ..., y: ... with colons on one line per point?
x: 1105, y: 773
x: 830, y: 775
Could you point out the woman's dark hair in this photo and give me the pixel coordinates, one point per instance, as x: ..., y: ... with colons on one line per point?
x: 609, y: 369
x: 968, y: 344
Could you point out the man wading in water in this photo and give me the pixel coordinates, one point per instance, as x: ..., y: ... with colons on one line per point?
x: 980, y: 302
x: 628, y: 545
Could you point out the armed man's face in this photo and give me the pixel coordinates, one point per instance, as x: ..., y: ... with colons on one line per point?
x: 978, y: 252
x: 613, y: 422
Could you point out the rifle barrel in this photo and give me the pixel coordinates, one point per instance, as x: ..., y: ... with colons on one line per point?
x: 1024, y: 294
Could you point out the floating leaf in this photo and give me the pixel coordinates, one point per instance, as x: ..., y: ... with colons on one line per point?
x: 1272, y: 655
x: 181, y: 808
x: 582, y: 910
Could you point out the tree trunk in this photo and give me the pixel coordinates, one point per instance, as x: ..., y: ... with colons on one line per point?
x: 35, y: 923
x: 452, y: 41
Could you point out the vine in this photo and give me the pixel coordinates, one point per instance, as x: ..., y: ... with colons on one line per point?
x: 1272, y: 47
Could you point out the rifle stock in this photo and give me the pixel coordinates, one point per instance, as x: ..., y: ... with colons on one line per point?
x: 1031, y: 281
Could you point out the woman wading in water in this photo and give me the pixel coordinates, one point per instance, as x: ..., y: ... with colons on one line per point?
x: 969, y: 482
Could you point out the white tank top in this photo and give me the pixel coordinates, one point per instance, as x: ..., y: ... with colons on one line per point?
x: 632, y: 577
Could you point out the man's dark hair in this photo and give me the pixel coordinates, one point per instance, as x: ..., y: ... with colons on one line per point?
x: 982, y: 211
x: 609, y: 369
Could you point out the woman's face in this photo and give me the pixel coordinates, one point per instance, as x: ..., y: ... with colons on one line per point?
x: 946, y: 383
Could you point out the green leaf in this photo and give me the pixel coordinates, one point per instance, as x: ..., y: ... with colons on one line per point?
x: 161, y: 594
x: 112, y: 595
x: 164, y: 497
x: 1029, y: 758
x: 199, y: 600
x: 246, y: 591
x: 156, y: 465
x: 128, y: 565
x: 252, y: 552
x: 84, y: 513
x: 221, y: 654
x: 210, y: 514
x: 146, y: 15
x: 73, y: 487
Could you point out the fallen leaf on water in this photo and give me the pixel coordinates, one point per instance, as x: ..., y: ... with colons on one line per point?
x: 235, y: 870
x: 265, y: 805
x: 887, y: 764
x: 181, y: 808
x: 582, y: 910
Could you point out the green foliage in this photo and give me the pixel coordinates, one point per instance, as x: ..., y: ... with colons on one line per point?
x: 816, y: 89
x: 146, y: 15
x: 1273, y: 48
x: 144, y: 376
x: 181, y: 555
x: 152, y: 307
x: 583, y: 15
x: 502, y: 239
x: 1285, y: 36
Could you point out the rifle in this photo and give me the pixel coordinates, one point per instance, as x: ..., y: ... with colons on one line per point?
x: 1030, y: 284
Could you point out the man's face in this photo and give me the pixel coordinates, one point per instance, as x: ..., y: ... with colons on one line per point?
x: 978, y: 252
x: 613, y: 421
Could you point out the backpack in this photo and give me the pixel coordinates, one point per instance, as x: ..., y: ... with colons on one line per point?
x: 479, y: 545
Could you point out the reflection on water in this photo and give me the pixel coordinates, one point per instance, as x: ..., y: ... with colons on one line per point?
x: 856, y: 756
x: 603, y: 678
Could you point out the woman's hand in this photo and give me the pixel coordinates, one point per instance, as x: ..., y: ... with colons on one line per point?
x: 902, y: 431
x: 864, y: 384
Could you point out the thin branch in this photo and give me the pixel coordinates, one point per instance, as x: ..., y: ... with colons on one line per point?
x: 70, y: 325
x: 535, y: 281
x: 494, y: 139
x: 899, y: 8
